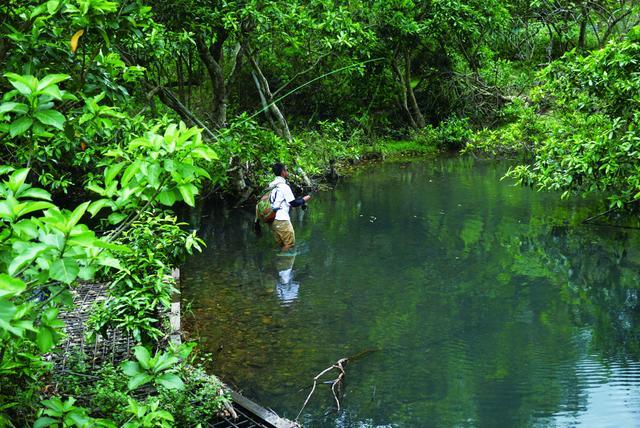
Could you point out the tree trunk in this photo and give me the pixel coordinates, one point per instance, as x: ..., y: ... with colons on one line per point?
x: 584, y: 20
x: 403, y: 97
x: 265, y: 106
x: 265, y: 92
x: 212, y: 58
x: 417, y: 114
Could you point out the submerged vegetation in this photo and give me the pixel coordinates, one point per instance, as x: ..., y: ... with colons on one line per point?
x: 113, y: 112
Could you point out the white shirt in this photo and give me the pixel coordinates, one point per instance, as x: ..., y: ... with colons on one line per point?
x: 281, y: 197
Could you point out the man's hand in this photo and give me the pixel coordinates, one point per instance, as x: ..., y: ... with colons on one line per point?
x: 306, y: 198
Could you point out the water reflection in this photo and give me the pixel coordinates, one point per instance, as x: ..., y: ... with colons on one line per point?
x: 491, y: 305
x: 286, y: 287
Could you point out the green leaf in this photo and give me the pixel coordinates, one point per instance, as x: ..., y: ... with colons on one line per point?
x: 51, y: 79
x: 111, y: 171
x: 131, y: 368
x: 96, y: 206
x: 64, y: 270
x: 87, y: 273
x: 52, y: 7
x: 143, y: 356
x: 170, y: 381
x: 26, y: 228
x: 20, y: 126
x: 36, y: 193
x: 77, y: 214
x: 51, y: 118
x: 14, y: 107
x: 167, y: 197
x: 139, y: 380
x: 29, y: 207
x: 44, y: 339
x: 188, y: 192
x: 130, y: 172
x: 10, y: 286
x: 54, y: 404
x: 110, y: 262
x: 115, y: 218
x: 17, y: 179
x: 54, y: 92
x: 165, y: 362
x: 27, y: 256
x: 24, y: 84
x: 7, y: 312
x: 44, y: 422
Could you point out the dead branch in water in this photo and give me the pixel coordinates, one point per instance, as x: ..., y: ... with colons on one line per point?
x: 335, y: 383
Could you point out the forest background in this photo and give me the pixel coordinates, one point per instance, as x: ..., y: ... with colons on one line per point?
x: 114, y: 112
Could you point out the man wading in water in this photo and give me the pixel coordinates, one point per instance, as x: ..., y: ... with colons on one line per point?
x: 282, y: 200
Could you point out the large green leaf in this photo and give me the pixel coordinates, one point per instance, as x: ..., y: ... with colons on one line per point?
x: 36, y: 193
x: 10, y: 286
x: 44, y: 339
x: 27, y: 255
x: 51, y: 79
x: 167, y: 197
x: 96, y: 206
x: 138, y: 380
x: 170, y: 381
x: 14, y: 107
x: 77, y: 214
x: 131, y: 368
x: 29, y: 207
x: 44, y: 422
x: 111, y: 171
x: 188, y: 192
x: 17, y: 179
x: 143, y: 356
x: 64, y: 270
x: 51, y: 117
x: 165, y: 361
x: 7, y: 312
x: 24, y: 84
x: 20, y: 126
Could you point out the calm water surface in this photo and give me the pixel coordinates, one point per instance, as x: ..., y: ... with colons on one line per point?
x: 483, y: 304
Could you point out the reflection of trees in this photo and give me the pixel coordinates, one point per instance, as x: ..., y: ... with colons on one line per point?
x: 601, y: 283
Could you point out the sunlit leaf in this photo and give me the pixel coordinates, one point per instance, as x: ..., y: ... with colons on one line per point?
x: 75, y: 39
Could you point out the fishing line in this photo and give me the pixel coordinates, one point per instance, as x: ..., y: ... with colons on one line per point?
x: 303, y: 85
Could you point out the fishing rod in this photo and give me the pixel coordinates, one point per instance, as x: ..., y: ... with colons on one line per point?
x: 357, y: 64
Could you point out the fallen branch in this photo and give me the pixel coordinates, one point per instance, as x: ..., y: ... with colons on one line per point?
x: 335, y: 383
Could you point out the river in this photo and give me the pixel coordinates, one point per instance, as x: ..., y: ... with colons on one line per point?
x: 476, y: 302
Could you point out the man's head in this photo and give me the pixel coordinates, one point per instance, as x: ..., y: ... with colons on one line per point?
x: 280, y: 170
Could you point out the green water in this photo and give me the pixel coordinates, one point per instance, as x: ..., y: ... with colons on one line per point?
x: 484, y: 304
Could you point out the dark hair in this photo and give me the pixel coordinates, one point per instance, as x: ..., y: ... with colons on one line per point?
x: 277, y: 168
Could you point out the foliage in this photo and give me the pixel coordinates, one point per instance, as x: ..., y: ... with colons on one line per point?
x: 454, y: 132
x: 199, y: 399
x: 522, y: 130
x: 158, y: 369
x: 58, y: 413
x: 44, y: 250
x: 143, y: 289
x: 148, y: 415
x: 61, y: 60
x: 588, y: 140
x: 202, y: 398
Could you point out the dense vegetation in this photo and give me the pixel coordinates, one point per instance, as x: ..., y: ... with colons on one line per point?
x: 113, y: 112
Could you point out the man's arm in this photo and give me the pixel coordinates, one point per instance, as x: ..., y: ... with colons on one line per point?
x: 299, y: 201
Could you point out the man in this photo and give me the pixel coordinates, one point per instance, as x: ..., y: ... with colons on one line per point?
x: 282, y: 200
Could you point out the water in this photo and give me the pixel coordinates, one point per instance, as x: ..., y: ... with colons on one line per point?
x: 483, y: 304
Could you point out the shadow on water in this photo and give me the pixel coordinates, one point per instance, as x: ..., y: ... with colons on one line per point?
x: 490, y: 304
